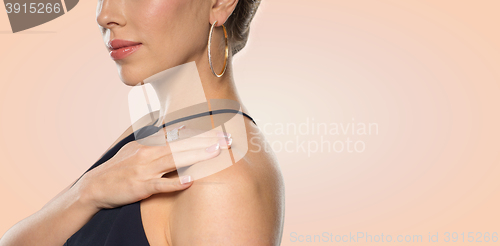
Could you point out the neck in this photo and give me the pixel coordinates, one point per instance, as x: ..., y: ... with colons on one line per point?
x: 192, y: 83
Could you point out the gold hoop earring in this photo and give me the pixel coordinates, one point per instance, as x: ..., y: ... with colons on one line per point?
x: 226, y: 51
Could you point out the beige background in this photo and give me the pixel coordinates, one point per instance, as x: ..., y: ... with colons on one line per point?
x: 426, y: 72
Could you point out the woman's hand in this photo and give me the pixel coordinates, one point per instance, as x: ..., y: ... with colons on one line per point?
x: 136, y: 171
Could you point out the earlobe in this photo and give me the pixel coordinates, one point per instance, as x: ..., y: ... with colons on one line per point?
x: 221, y: 10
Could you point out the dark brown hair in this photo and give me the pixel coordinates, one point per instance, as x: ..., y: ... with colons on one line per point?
x: 238, y: 24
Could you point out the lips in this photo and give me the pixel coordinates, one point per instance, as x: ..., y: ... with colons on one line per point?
x: 120, y: 49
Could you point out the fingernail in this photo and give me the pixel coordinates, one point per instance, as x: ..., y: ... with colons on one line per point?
x: 185, y: 179
x: 222, y: 135
x: 225, y: 142
x: 181, y: 127
x: 213, y: 148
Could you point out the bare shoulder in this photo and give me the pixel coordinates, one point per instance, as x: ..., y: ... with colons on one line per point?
x: 240, y: 205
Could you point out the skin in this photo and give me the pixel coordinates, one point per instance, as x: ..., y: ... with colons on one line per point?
x: 240, y: 205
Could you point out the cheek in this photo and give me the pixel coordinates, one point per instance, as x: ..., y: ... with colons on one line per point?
x: 153, y: 15
x: 176, y: 23
x: 163, y: 24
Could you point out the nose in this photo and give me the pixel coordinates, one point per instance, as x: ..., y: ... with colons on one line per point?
x: 109, y: 13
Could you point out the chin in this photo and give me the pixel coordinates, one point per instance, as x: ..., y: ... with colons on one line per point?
x: 130, y: 81
x: 130, y: 77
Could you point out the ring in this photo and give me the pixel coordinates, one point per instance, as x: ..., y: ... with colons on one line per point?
x: 173, y: 135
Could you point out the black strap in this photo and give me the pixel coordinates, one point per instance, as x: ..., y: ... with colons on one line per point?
x: 219, y: 111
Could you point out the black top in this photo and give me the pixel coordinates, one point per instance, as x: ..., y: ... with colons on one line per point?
x: 121, y: 226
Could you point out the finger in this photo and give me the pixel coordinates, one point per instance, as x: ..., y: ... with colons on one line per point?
x: 160, y: 137
x: 192, y: 132
x: 162, y: 185
x: 178, y: 160
x: 156, y: 152
x: 153, y: 151
x: 198, y: 143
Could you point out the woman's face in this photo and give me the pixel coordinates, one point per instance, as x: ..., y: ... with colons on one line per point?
x: 170, y: 33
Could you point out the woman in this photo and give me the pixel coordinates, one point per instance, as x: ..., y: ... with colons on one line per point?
x: 133, y: 195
